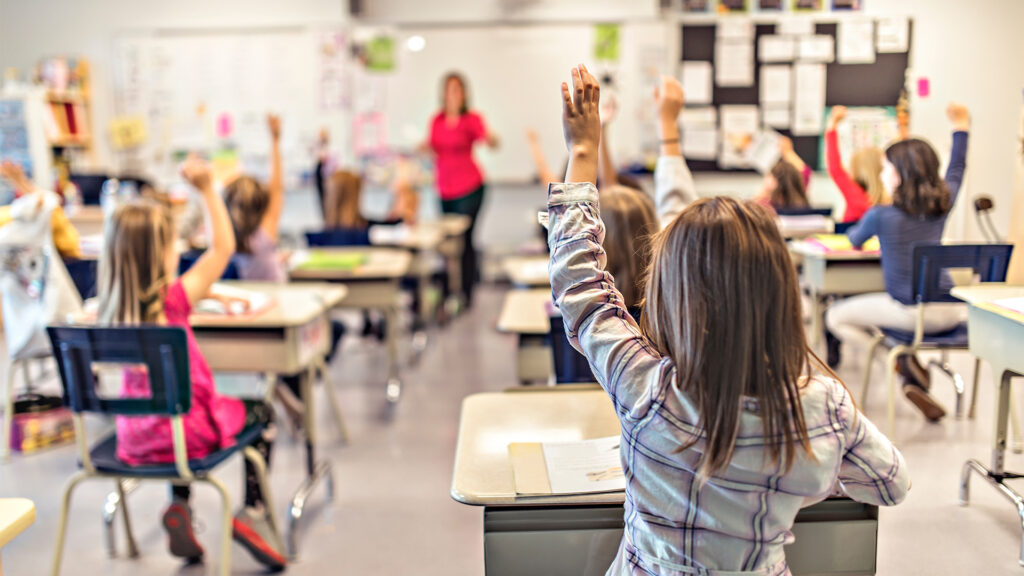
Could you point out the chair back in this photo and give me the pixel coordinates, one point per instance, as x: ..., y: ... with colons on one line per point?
x: 163, y: 350
x: 930, y: 281
x: 188, y: 259
x: 793, y: 211
x: 339, y: 237
x: 570, y: 365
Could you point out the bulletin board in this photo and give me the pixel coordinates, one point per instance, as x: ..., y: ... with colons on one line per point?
x: 875, y: 84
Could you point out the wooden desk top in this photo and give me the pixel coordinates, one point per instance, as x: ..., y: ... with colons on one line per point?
x: 16, y: 515
x: 294, y: 305
x: 490, y: 421
x: 525, y: 312
x: 527, y: 270
x: 983, y: 295
x: 87, y: 214
x: 381, y: 264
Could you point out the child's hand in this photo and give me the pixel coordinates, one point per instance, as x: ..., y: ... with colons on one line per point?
x: 274, y: 124
x: 15, y: 176
x: 531, y: 135
x: 581, y: 121
x: 785, y: 144
x: 959, y: 116
x: 836, y: 116
x: 670, y: 98
x: 196, y: 171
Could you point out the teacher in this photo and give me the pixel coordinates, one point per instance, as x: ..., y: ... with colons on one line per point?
x: 460, y: 183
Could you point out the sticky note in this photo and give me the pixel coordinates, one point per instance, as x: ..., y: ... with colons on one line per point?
x: 924, y: 87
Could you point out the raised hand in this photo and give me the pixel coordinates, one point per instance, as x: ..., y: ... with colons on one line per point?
x: 274, y: 125
x: 836, y: 116
x: 959, y: 116
x: 581, y: 125
x: 196, y: 172
x: 15, y: 176
x: 670, y: 98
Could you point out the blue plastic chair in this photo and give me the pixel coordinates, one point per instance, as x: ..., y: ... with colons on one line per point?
x: 188, y: 259
x: 339, y: 237
x: 570, y: 365
x: 988, y: 263
x: 164, y: 353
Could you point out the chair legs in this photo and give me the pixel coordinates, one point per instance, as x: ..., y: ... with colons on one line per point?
x: 958, y: 381
x: 974, y: 389
x: 890, y: 369
x: 875, y: 342
x: 129, y: 536
x: 62, y: 526
x: 226, y: 523
x: 332, y: 400
x: 8, y: 430
x: 117, y: 500
x: 253, y: 456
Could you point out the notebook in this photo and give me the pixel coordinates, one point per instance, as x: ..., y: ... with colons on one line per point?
x: 840, y: 243
x: 565, y: 468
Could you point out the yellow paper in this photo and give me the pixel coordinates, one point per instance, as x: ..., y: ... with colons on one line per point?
x: 127, y: 132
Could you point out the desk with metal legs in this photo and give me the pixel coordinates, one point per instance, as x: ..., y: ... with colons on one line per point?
x: 996, y: 335
x: 373, y: 285
x: 574, y: 535
x: 524, y: 313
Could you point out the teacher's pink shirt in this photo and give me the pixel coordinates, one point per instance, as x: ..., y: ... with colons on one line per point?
x: 457, y: 173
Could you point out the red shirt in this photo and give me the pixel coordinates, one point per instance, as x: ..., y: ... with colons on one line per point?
x: 457, y: 172
x: 857, y: 202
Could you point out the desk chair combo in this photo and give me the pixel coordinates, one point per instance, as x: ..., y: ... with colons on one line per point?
x: 164, y: 353
x: 988, y: 263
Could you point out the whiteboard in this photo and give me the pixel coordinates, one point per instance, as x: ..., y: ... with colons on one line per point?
x: 190, y: 87
x: 514, y: 75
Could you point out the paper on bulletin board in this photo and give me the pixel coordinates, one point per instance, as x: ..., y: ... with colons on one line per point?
x: 893, y: 35
x: 764, y: 153
x: 696, y: 79
x: 795, y: 26
x: 735, y: 28
x: 734, y: 63
x: 774, y: 48
x: 820, y: 48
x: 739, y: 125
x: 380, y: 54
x: 775, y: 116
x: 606, y: 42
x: 808, y: 99
x: 700, y: 133
x: 864, y: 127
x: 776, y: 84
x: 856, y: 42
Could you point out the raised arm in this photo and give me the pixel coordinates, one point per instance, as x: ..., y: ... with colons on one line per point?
x: 790, y: 155
x: 673, y: 183
x: 856, y: 197
x: 863, y: 230
x: 540, y: 163
x: 210, y: 266
x: 272, y: 219
x: 607, y: 174
x: 596, y: 320
x: 961, y: 120
x: 872, y: 470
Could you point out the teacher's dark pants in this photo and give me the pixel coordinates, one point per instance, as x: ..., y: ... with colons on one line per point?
x: 468, y: 205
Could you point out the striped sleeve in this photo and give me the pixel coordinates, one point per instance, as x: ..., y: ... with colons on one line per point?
x: 872, y: 469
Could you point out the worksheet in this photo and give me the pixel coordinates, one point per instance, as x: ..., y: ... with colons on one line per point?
x: 808, y: 99
x: 856, y: 41
x: 893, y: 35
x: 585, y: 466
x: 776, y: 116
x: 776, y: 84
x: 772, y: 48
x: 696, y: 80
x: 739, y: 125
x: 700, y: 133
x: 734, y: 63
x: 819, y: 48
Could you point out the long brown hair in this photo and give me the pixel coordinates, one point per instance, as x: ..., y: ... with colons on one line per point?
x: 866, y: 170
x: 456, y: 77
x: 247, y: 201
x: 723, y: 303
x: 922, y: 192
x: 133, y: 278
x: 630, y: 220
x: 789, y: 191
x: 343, y: 200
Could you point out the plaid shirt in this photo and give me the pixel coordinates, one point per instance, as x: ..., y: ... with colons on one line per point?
x: 738, y: 522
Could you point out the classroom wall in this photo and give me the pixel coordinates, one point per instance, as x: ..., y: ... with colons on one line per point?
x: 462, y: 11
x: 32, y: 29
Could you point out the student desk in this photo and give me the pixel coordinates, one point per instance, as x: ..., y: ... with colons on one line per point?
x: 16, y: 515
x: 524, y: 313
x: 290, y: 337
x: 373, y: 285
x: 527, y: 271
x: 87, y: 219
x: 573, y: 535
x: 835, y: 274
x: 996, y: 334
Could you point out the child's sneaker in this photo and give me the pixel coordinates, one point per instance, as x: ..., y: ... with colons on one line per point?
x: 253, y: 531
x: 181, y: 538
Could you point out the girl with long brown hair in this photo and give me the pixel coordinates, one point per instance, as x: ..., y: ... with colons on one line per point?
x: 728, y: 425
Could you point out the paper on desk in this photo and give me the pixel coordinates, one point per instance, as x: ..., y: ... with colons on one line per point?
x: 1014, y: 304
x: 734, y: 63
x: 856, y: 41
x: 584, y: 467
x: 808, y: 99
x: 239, y: 302
x: 893, y: 35
x: 774, y: 48
x: 739, y: 125
x: 776, y: 84
x: 696, y: 80
x: 819, y: 48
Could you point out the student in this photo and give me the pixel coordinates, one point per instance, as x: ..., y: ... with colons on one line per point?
x: 255, y: 212
x: 785, y: 186
x: 342, y: 208
x: 65, y: 237
x: 921, y: 200
x: 137, y: 285
x: 723, y: 419
x: 864, y: 188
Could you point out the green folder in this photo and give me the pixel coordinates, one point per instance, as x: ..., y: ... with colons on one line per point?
x: 322, y: 260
